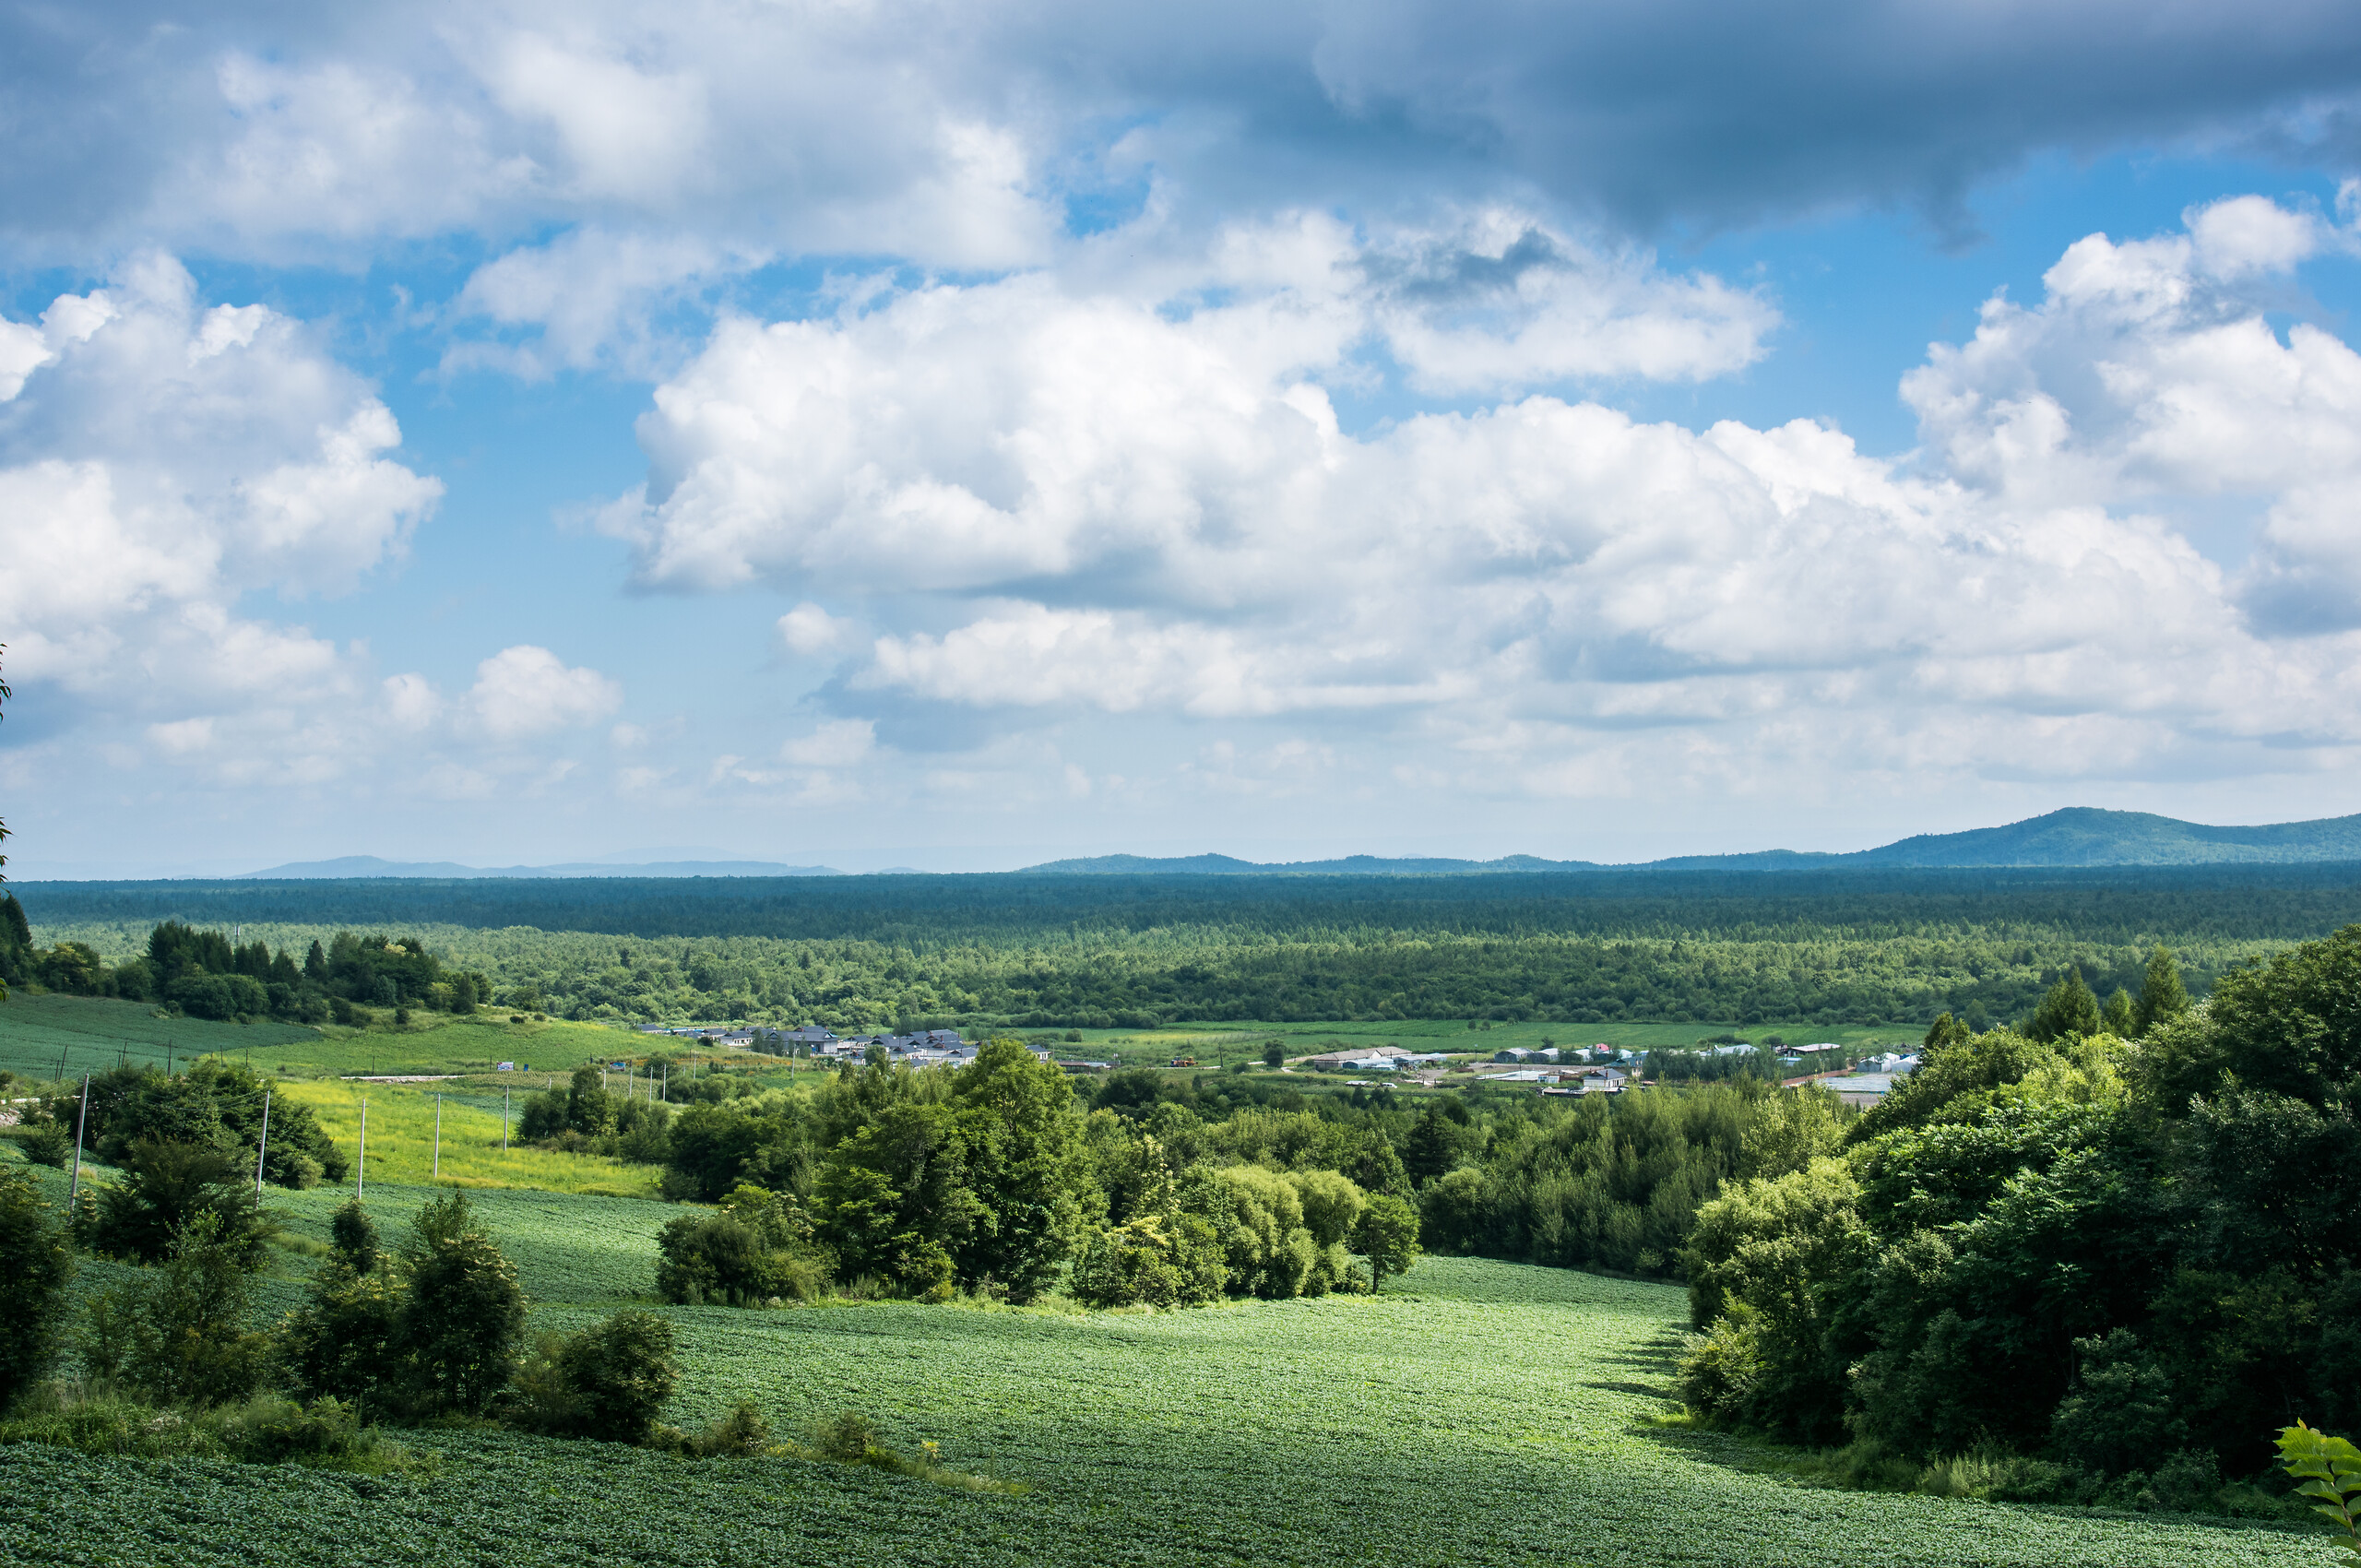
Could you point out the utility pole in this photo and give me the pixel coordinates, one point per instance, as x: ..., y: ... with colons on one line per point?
x: 438, y: 1138
x: 264, y: 1147
x: 81, y: 1119
x: 360, y: 1169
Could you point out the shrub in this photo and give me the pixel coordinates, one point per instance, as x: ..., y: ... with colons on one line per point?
x: 46, y: 1142
x: 848, y: 1438
x: 36, y: 1262
x: 343, y: 1343
x: 744, y: 1430
x: 606, y: 1382
x: 266, y: 1430
x: 758, y: 1246
x: 462, y: 1324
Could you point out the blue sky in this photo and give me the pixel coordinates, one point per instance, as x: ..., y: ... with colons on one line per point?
x: 960, y: 437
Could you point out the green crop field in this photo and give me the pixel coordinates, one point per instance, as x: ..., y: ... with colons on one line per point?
x: 88, y: 1033
x: 1476, y: 1413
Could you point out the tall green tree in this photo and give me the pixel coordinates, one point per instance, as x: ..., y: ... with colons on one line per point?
x: 462, y: 1324
x: 36, y: 1263
x: 2162, y: 996
x: 2069, y: 1010
x: 1023, y: 1160
x: 1388, y: 1236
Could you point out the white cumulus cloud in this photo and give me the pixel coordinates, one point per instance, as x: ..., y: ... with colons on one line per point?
x: 1113, y: 508
x: 527, y: 691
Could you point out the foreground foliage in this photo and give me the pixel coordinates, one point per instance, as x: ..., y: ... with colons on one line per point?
x: 2128, y: 1264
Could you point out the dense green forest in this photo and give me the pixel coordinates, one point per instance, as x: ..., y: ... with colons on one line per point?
x: 2099, y: 1269
x: 1134, y: 951
x: 204, y: 974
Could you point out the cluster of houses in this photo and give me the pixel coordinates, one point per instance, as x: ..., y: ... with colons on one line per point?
x: 1601, y: 1053
x: 1872, y: 1078
x: 1372, y: 1059
x: 1566, y: 1080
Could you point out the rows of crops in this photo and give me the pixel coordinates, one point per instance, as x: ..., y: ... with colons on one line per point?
x: 1485, y: 1413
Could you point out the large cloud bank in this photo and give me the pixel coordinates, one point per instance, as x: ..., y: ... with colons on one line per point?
x: 1103, y: 503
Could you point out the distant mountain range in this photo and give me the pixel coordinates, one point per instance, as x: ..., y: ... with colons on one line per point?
x: 2077, y: 836
x: 352, y: 866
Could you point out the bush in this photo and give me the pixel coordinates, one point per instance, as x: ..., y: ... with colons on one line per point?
x: 758, y: 1247
x: 36, y: 1262
x: 462, y: 1324
x: 46, y: 1142
x: 606, y: 1382
x: 849, y: 1438
x: 268, y: 1430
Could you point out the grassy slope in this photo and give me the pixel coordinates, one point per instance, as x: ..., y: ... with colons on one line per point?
x: 402, y: 1146
x: 95, y: 1032
x: 1479, y: 1413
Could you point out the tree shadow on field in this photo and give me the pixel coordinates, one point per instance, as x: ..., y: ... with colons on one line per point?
x: 1660, y: 1358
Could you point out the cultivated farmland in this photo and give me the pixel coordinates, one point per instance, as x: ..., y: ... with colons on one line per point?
x: 1479, y: 1413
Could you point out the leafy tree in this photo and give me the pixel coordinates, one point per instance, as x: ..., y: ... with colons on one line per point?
x: 168, y: 1187
x: 1433, y: 1146
x: 2120, y: 1016
x: 346, y: 1340
x: 1761, y: 1264
x: 1022, y: 1160
x: 713, y: 1148
x: 589, y: 1108
x: 354, y: 1236
x: 2068, y: 1010
x: 462, y: 1324
x: 2162, y: 996
x: 1379, y: 1170
x: 1274, y: 1055
x: 1259, y: 1217
x: 36, y: 1265
x: 1388, y: 1236
x: 186, y: 1335
x: 1164, y: 1254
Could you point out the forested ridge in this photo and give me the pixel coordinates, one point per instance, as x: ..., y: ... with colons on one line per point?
x: 1116, y: 952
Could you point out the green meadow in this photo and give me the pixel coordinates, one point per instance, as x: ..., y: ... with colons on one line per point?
x: 1476, y: 1413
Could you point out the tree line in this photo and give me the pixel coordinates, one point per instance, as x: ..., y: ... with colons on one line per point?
x: 996, y: 1179
x: 1897, y: 972
x: 2103, y: 1257
x: 204, y: 974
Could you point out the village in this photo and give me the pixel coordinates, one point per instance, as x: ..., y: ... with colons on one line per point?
x: 1548, y: 1070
